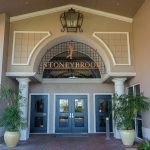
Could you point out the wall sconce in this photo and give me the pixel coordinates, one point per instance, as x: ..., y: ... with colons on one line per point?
x: 71, y: 21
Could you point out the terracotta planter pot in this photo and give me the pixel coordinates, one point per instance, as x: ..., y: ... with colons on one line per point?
x: 127, y: 137
x: 11, y: 138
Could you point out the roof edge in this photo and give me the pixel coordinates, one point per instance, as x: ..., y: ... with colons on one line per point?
x: 77, y: 7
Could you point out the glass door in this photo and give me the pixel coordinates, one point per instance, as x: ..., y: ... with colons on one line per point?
x: 79, y: 114
x: 103, y: 105
x: 38, y: 116
x: 63, y: 114
x: 71, y: 114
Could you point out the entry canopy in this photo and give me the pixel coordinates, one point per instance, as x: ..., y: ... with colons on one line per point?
x: 71, y: 59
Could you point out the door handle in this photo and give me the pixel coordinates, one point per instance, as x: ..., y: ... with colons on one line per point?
x: 70, y: 115
x: 44, y: 114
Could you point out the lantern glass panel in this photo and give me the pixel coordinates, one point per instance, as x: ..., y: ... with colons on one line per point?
x: 71, y: 19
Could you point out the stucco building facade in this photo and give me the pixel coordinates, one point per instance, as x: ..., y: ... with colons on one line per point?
x: 72, y: 101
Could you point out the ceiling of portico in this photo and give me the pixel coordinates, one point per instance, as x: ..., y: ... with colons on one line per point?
x: 126, y: 8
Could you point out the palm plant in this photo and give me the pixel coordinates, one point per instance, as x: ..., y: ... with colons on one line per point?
x: 11, y: 116
x: 125, y: 109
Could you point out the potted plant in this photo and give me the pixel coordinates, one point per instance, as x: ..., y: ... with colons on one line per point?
x: 125, y: 108
x: 2, y: 130
x: 144, y: 145
x: 11, y: 116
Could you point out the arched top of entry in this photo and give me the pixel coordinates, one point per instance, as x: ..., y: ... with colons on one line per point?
x: 54, y: 40
x: 71, y: 59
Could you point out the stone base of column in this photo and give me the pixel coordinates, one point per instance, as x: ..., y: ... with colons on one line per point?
x: 24, y: 134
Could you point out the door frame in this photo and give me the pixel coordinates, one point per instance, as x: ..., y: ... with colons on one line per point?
x: 48, y: 111
x: 88, y: 107
x: 95, y: 111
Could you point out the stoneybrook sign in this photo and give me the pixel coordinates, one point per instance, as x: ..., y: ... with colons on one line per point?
x: 71, y: 65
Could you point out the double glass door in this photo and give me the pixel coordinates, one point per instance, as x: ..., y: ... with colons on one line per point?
x: 71, y: 114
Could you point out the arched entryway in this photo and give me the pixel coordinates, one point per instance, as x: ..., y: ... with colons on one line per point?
x: 52, y: 42
x: 71, y: 59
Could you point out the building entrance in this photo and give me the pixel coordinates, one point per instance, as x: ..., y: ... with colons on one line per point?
x: 71, y: 114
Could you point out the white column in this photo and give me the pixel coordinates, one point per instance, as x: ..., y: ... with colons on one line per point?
x: 23, y: 88
x: 119, y: 90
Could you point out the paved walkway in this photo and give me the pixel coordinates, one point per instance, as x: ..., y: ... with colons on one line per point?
x: 56, y: 142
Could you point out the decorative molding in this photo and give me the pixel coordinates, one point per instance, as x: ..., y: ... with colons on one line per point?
x: 62, y: 8
x: 122, y: 74
x: 108, y: 49
x: 105, y: 77
x: 20, y: 74
x: 77, y: 80
x: 146, y: 132
x: 129, y: 51
x: 32, y: 51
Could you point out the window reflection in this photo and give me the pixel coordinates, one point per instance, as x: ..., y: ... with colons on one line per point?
x: 103, y: 106
x: 38, y: 122
x: 63, y: 103
x: 79, y: 121
x: 39, y: 106
x: 79, y: 105
x: 102, y: 121
x: 63, y: 121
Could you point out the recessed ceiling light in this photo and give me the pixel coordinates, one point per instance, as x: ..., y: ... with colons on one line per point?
x: 118, y: 4
x: 26, y: 3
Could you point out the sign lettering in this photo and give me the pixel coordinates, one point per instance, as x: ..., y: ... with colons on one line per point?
x: 70, y: 65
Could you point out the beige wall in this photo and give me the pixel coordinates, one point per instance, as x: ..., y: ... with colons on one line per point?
x: 4, y: 41
x: 72, y: 88
x: 92, y: 23
x: 141, y: 36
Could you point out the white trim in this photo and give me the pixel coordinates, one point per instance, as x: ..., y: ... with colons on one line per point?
x: 76, y: 80
x: 34, y: 48
x: 88, y: 107
x: 129, y: 51
x: 108, y: 49
x: 67, y: 80
x: 146, y: 132
x: 132, y: 85
x: 48, y: 111
x: 89, y: 112
x: 20, y: 74
x: 94, y: 94
x: 63, y: 8
x: 122, y: 74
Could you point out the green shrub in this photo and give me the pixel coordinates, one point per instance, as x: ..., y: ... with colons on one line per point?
x: 144, y: 145
x: 126, y: 107
x: 11, y: 118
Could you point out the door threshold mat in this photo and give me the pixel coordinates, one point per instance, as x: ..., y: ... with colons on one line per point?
x: 72, y: 135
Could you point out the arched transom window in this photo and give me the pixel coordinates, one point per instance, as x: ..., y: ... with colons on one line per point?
x: 71, y: 59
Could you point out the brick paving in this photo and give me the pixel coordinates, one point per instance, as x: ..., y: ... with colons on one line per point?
x: 56, y: 142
